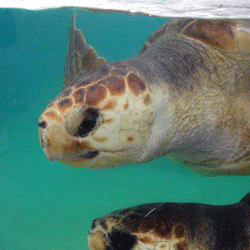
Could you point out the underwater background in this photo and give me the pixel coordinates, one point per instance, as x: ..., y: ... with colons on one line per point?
x: 49, y: 206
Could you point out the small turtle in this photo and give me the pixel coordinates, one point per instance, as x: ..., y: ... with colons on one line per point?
x: 185, y: 95
x: 174, y: 226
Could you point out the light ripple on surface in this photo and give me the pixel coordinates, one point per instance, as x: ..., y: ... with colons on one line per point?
x: 172, y: 8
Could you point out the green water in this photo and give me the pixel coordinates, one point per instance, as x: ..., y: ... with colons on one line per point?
x: 46, y: 205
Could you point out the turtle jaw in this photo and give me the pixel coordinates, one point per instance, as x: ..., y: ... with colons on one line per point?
x: 109, y: 234
x: 72, y: 151
x: 103, y: 159
x: 97, y: 240
x: 57, y: 144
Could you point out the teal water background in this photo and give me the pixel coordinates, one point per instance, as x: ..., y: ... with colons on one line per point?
x: 49, y: 206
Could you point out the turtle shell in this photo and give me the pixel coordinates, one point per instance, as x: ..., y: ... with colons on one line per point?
x: 226, y: 35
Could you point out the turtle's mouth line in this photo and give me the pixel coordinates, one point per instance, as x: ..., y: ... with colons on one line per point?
x: 85, y: 156
x: 90, y: 155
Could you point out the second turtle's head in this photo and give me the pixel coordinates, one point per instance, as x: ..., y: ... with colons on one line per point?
x: 104, y: 120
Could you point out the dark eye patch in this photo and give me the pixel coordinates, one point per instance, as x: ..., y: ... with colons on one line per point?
x: 89, y: 122
x: 121, y: 240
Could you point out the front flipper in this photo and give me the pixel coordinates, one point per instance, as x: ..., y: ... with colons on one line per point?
x: 80, y: 56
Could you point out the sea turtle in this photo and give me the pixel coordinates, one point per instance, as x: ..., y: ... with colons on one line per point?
x: 174, y: 226
x: 185, y: 95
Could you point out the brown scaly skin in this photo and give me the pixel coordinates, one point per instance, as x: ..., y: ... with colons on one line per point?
x: 174, y: 226
x: 186, y: 95
x: 115, y: 89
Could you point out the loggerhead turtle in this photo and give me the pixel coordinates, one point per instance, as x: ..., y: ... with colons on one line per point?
x: 174, y: 226
x: 185, y: 95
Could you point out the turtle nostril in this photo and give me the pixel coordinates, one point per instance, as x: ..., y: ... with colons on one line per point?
x: 93, y: 225
x: 42, y: 124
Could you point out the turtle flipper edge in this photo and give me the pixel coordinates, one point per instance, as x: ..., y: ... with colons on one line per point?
x: 80, y: 56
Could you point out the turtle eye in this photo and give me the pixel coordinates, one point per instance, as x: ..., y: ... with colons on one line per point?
x: 89, y: 122
x: 120, y: 240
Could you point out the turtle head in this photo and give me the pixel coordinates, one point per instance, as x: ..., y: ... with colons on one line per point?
x: 148, y: 226
x: 110, y: 233
x: 104, y: 115
x: 103, y: 120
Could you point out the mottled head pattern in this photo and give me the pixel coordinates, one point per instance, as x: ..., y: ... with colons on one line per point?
x: 139, y: 228
x: 103, y: 116
x: 98, y: 116
x: 174, y: 226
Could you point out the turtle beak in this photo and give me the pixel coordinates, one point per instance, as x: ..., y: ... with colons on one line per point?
x: 48, y: 140
x: 58, y: 144
x: 55, y: 141
x: 42, y: 137
x: 97, y: 238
